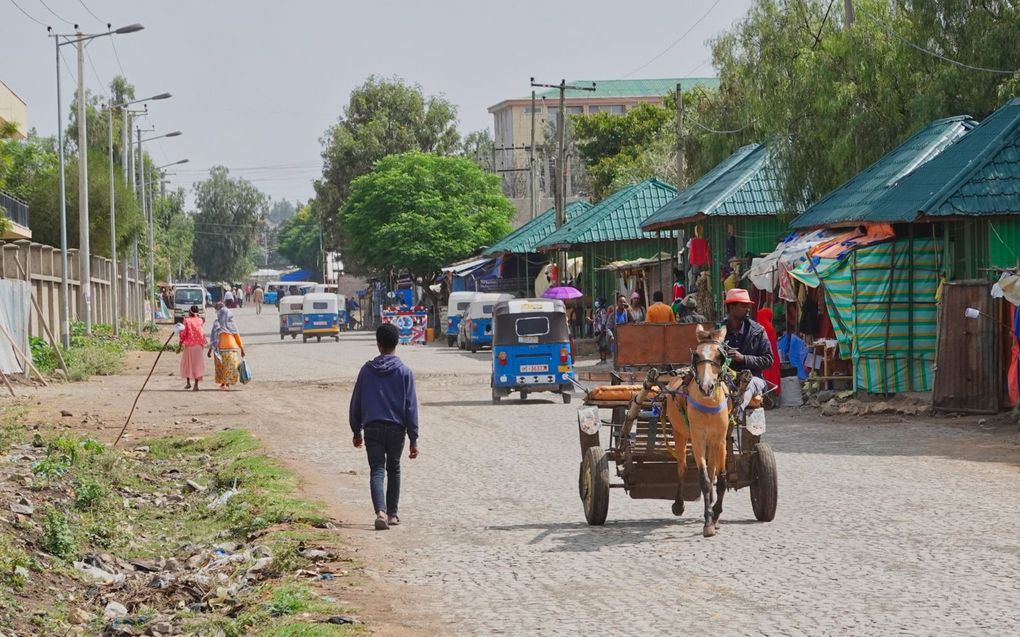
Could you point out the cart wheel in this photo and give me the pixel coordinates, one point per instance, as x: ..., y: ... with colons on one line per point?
x: 451, y: 341
x: 495, y: 396
x: 524, y: 394
x: 764, y: 483
x: 566, y: 398
x: 474, y: 350
x: 336, y: 338
x: 293, y: 335
x: 281, y: 336
x: 304, y: 339
x: 593, y: 484
x: 318, y: 339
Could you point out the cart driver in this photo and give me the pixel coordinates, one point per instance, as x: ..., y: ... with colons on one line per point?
x: 747, y: 345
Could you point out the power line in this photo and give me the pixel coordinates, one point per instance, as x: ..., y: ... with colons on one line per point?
x: 27, y: 14
x: 58, y: 16
x: 899, y: 37
x: 723, y: 132
x: 116, y: 54
x: 675, y: 42
x: 82, y: 3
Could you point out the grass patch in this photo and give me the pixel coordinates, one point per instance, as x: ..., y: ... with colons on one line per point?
x: 57, y: 538
x: 98, y: 354
x: 11, y: 429
x: 14, y: 564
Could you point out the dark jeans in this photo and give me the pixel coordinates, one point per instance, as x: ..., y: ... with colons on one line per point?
x: 384, y: 442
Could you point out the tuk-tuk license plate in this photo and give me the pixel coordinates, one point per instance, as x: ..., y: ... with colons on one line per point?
x: 322, y: 323
x: 528, y: 340
x: 534, y: 368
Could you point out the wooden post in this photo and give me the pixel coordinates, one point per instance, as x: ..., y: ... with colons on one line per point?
x: 46, y: 328
x: 26, y: 358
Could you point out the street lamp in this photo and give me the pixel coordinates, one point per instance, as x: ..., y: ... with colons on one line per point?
x: 85, y: 276
x: 147, y: 211
x: 125, y: 133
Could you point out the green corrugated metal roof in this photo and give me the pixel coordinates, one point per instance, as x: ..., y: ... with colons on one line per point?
x: 618, y: 217
x: 976, y: 176
x: 524, y: 239
x: 744, y: 184
x: 876, y: 194
x: 633, y: 88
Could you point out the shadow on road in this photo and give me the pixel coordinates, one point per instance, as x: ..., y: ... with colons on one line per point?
x: 579, y: 537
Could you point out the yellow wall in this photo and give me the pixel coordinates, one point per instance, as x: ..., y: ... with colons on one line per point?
x: 13, y: 109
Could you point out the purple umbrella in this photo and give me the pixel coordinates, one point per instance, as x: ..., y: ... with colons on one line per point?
x: 563, y: 293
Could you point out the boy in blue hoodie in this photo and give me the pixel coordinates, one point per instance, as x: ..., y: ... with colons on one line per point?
x: 384, y: 409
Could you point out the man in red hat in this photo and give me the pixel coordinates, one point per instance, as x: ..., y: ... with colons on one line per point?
x: 746, y: 341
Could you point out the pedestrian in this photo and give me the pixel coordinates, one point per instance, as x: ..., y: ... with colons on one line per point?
x: 659, y: 312
x: 228, y: 348
x: 193, y: 341
x: 228, y: 298
x: 600, y: 326
x: 247, y: 292
x: 637, y: 308
x: 257, y: 297
x: 689, y: 312
x: 383, y: 411
x: 238, y: 296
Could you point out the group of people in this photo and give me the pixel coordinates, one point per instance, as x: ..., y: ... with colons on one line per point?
x: 605, y: 319
x: 224, y: 344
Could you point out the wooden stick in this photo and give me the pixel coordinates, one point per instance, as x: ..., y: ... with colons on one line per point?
x: 46, y: 326
x: 8, y: 383
x: 135, y: 404
x: 24, y: 357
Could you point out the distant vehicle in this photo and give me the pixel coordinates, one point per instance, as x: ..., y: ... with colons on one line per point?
x: 321, y: 316
x: 478, y: 327
x: 459, y: 302
x: 291, y: 317
x: 184, y: 297
x: 272, y: 293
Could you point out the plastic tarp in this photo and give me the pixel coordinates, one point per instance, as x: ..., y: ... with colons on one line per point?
x: 765, y: 271
x: 297, y: 275
x: 15, y: 298
x: 881, y: 300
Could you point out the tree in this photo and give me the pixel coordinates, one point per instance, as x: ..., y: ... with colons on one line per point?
x: 383, y: 117
x: 299, y: 241
x: 281, y: 211
x: 230, y: 214
x: 420, y: 212
x: 611, y: 145
x: 479, y: 146
x: 174, y: 235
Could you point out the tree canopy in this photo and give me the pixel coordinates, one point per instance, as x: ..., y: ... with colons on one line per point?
x: 298, y: 239
x: 230, y: 214
x: 420, y: 212
x: 383, y: 117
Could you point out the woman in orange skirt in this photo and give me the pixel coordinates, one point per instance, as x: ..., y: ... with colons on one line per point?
x: 227, y: 347
x: 193, y: 340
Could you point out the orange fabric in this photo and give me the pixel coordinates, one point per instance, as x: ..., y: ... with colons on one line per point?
x: 833, y: 247
x: 230, y: 341
x: 660, y: 313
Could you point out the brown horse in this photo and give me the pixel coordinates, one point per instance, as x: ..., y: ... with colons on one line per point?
x: 704, y: 397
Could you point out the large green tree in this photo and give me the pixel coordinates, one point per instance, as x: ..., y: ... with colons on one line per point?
x: 299, y: 241
x: 384, y: 116
x: 420, y: 212
x: 174, y: 235
x: 230, y: 214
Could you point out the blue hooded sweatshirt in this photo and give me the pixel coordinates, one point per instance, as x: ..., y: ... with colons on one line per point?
x: 385, y: 393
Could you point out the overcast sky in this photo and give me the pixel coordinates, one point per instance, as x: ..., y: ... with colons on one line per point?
x: 257, y: 82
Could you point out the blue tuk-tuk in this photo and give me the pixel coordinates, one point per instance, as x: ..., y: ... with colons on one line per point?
x: 459, y: 302
x: 291, y: 317
x: 321, y: 316
x: 531, y: 348
x: 478, y: 320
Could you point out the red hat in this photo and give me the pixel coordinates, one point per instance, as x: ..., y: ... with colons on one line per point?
x: 737, y: 295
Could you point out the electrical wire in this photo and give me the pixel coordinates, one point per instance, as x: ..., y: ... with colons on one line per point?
x: 889, y: 30
x: 56, y: 15
x: 675, y: 42
x: 723, y: 132
x: 82, y: 3
x: 28, y: 15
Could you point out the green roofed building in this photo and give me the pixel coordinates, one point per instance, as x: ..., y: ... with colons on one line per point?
x: 524, y: 239
x: 738, y: 206
x: 611, y: 231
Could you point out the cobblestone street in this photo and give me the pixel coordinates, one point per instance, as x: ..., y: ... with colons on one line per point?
x: 884, y: 526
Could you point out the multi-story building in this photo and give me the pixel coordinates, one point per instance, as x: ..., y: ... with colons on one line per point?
x: 13, y: 110
x: 513, y: 122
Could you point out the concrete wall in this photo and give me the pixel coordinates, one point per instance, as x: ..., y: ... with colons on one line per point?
x: 40, y: 265
x: 13, y: 109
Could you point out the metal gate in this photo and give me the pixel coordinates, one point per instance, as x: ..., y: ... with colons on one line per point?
x: 968, y: 368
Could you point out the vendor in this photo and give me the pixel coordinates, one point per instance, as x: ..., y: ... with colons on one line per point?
x: 747, y: 344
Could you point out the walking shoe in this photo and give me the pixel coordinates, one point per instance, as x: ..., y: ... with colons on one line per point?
x: 392, y: 520
x: 380, y: 522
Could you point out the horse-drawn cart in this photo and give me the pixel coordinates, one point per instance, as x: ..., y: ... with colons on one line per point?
x: 640, y: 436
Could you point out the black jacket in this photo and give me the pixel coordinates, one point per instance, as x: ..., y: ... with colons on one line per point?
x: 751, y: 341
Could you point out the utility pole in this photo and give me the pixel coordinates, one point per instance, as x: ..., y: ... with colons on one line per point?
x: 65, y: 299
x: 150, y: 279
x: 531, y: 160
x: 561, y: 172
x: 84, y: 253
x: 851, y: 15
x: 114, y: 290
x: 680, y: 141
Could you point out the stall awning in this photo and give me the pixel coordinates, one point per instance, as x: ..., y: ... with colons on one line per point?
x: 637, y: 264
x: 466, y: 267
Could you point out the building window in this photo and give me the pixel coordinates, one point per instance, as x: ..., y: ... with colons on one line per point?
x: 575, y: 110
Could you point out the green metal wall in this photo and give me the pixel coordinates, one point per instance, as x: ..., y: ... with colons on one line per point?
x: 755, y: 235
x: 596, y: 255
x: 966, y: 249
x: 1004, y: 242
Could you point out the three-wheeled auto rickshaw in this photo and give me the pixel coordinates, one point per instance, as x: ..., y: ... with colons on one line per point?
x: 459, y: 302
x: 321, y: 316
x: 478, y: 327
x: 531, y: 348
x: 291, y: 317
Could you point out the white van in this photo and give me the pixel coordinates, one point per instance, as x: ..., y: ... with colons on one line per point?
x: 185, y: 296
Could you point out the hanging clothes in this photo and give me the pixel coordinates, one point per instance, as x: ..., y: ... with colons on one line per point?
x: 1013, y: 379
x: 809, y: 317
x: 698, y: 252
x: 772, y: 373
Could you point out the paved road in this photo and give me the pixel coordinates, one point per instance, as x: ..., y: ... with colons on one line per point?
x: 883, y: 527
